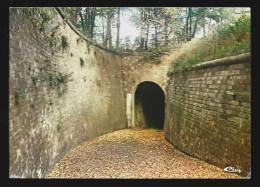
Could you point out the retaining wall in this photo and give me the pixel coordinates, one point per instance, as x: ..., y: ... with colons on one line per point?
x: 62, y: 91
x: 208, y: 112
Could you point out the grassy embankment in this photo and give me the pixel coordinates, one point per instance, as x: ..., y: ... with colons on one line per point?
x: 227, y: 40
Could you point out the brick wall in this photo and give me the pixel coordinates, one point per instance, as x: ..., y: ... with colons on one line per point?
x: 60, y: 95
x: 208, y: 113
x: 135, y: 71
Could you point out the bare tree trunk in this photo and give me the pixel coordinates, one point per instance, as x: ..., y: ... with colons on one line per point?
x: 156, y: 36
x: 155, y: 28
x: 195, y: 28
x: 118, y: 28
x: 142, y: 29
x: 147, y: 30
x: 166, y: 31
x: 187, y: 24
x: 73, y: 15
x: 108, y: 33
x: 103, y: 32
x: 209, y: 25
x: 76, y: 14
x: 92, y: 21
x: 190, y: 24
x: 90, y: 15
x: 87, y: 19
x: 82, y: 20
x: 146, y: 38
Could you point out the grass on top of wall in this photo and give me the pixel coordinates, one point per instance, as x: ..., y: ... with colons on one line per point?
x: 227, y: 40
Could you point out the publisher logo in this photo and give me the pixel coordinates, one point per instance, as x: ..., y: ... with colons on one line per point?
x: 232, y: 169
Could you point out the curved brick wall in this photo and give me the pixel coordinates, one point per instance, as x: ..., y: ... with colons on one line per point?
x: 208, y: 112
x: 48, y: 117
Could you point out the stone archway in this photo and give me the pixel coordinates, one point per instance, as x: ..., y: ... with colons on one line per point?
x: 149, y: 105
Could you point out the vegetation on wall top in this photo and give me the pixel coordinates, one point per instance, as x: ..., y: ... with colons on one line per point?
x: 154, y: 54
x: 227, y: 40
x: 156, y: 25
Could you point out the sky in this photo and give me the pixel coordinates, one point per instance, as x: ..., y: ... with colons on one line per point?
x: 127, y: 28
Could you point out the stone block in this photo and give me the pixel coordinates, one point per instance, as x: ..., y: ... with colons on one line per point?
x: 243, y: 98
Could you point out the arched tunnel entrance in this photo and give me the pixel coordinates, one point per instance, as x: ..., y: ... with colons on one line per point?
x: 149, y: 105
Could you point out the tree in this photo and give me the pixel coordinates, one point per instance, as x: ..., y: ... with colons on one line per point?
x: 166, y: 24
x: 145, y: 26
x: 202, y: 17
x: 82, y: 20
x: 73, y: 14
x: 118, y: 27
x: 87, y: 20
x: 108, y: 38
x: 142, y: 34
x: 90, y: 20
x: 158, y: 26
x: 155, y: 13
x: 148, y: 20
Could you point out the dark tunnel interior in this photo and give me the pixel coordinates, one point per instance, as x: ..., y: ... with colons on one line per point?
x: 150, y: 99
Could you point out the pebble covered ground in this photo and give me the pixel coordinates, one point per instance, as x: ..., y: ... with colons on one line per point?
x: 132, y: 153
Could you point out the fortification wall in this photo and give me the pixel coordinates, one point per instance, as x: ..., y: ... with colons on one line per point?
x: 208, y: 112
x: 135, y: 71
x: 62, y: 91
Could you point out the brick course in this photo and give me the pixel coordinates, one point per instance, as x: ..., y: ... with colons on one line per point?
x: 208, y: 113
x: 46, y: 121
x: 207, y: 110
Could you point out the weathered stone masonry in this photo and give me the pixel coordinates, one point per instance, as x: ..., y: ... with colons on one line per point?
x: 208, y: 112
x: 62, y: 95
x: 51, y: 112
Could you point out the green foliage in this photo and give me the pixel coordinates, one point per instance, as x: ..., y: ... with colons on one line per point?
x: 52, y: 41
x: 19, y: 94
x: 58, y: 128
x: 81, y: 61
x: 91, y: 21
x: 58, y: 78
x: 55, y: 78
x: 59, y: 81
x: 42, y: 20
x: 153, y: 55
x: 52, y: 80
x: 227, y: 40
x: 119, y: 50
x: 34, y: 79
x: 64, y: 42
x: 40, y: 17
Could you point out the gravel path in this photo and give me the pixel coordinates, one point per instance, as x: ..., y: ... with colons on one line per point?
x: 132, y: 153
